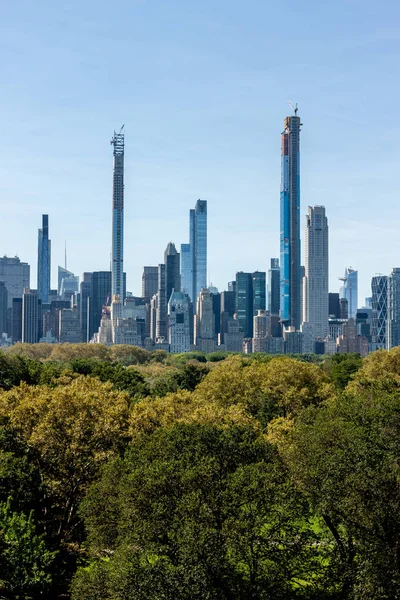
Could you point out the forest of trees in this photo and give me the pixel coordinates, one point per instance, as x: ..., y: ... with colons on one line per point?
x: 129, y: 475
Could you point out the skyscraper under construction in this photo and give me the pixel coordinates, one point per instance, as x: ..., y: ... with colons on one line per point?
x: 117, y: 266
x: 290, y: 284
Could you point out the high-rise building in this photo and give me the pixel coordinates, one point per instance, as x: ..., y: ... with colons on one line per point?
x: 334, y: 305
x: 290, y: 292
x: 244, y: 303
x: 259, y: 291
x: 216, y: 300
x: 178, y: 322
x: 69, y: 326
x: 227, y: 310
x: 204, y: 334
x: 186, y: 269
x: 30, y: 317
x: 262, y: 330
x: 117, y: 267
x: 15, y: 275
x: 161, y: 320
x: 3, y: 308
x: 68, y: 283
x: 100, y: 295
x: 84, y: 306
x: 349, y: 290
x: 393, y: 311
x: 316, y: 281
x: 273, y: 287
x: 172, y: 270
x: 44, y: 261
x: 149, y: 282
x: 379, y: 285
x: 16, y: 329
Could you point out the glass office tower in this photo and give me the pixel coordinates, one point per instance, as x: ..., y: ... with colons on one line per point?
x: 290, y: 284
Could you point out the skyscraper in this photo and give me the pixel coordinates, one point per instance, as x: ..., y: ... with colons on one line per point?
x: 349, y: 290
x: 30, y: 317
x: 149, y: 282
x: 186, y: 269
x: 200, y: 247
x: 100, y: 295
x: 393, y: 317
x: 316, y: 282
x: 290, y: 309
x: 44, y: 261
x: 16, y: 275
x: 178, y: 322
x: 259, y: 291
x: 273, y: 287
x: 117, y: 268
x: 84, y: 306
x: 204, y: 334
x: 161, y: 319
x: 379, y: 285
x: 3, y: 309
x: 172, y: 270
x: 244, y: 303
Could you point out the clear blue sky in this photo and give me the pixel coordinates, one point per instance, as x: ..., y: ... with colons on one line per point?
x: 202, y: 88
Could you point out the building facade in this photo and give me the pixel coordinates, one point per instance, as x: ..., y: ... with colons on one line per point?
x: 274, y: 287
x: 349, y: 290
x: 316, y: 279
x: 179, y: 322
x: 290, y: 292
x: 149, y: 282
x: 30, y: 317
x: 44, y: 261
x: 117, y: 267
x: 379, y: 285
x: 16, y: 276
x: 244, y: 303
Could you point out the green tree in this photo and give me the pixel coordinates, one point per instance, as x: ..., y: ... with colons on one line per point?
x: 25, y: 561
x: 198, y: 512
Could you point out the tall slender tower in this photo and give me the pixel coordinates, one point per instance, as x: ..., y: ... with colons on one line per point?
x: 117, y: 267
x: 290, y: 309
x: 44, y: 258
x: 316, y: 284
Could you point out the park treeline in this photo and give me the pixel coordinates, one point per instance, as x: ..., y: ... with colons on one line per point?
x: 134, y: 475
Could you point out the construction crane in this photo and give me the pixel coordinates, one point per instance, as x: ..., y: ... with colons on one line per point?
x: 294, y: 107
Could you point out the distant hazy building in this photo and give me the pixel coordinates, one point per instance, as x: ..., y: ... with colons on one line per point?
x: 178, y: 323
x: 334, y: 305
x: 349, y: 290
x: 186, y: 269
x: 233, y: 337
x: 117, y: 266
x: 273, y: 287
x: 161, y: 322
x: 100, y: 295
x: 204, y: 333
x: 44, y: 261
x: 261, y: 330
x: 259, y: 291
x: 3, y: 308
x: 379, y: 285
x: 290, y: 288
x: 350, y: 341
x: 15, y: 275
x: 84, y: 306
x: 244, y: 303
x: 393, y: 310
x: 308, y: 338
x: 149, y: 282
x: 68, y: 283
x: 16, y: 321
x: 69, y: 326
x: 30, y: 317
x: 172, y: 270
x: 316, y: 281
x: 194, y: 254
x: 293, y: 341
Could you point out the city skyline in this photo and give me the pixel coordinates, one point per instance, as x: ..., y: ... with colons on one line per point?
x: 204, y: 121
